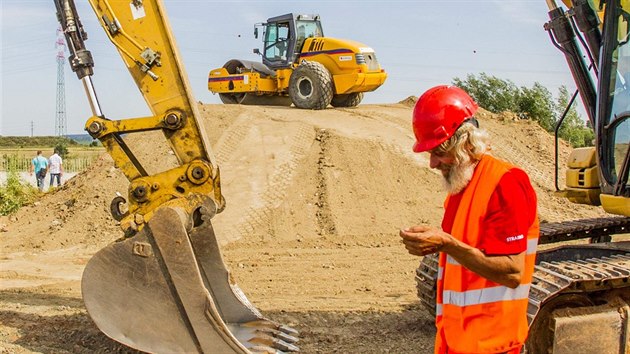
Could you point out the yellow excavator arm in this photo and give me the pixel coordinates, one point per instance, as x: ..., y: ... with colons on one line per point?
x: 164, y: 287
x: 140, y: 32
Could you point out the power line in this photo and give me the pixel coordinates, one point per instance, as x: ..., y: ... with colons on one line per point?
x: 60, y: 116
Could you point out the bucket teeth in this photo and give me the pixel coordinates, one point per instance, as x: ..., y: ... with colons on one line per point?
x: 275, y: 333
x: 268, y: 340
x: 288, y: 330
x: 283, y: 336
x: 273, y: 325
x: 265, y: 334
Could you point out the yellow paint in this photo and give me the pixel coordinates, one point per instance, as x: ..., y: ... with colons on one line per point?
x: 155, y: 65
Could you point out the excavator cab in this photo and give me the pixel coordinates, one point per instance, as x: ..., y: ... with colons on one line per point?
x: 614, y: 113
x: 284, y: 38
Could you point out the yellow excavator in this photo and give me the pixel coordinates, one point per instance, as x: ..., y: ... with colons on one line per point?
x: 579, y: 300
x: 164, y: 287
x: 299, y: 66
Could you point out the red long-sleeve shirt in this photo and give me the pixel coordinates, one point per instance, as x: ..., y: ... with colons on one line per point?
x: 511, y: 210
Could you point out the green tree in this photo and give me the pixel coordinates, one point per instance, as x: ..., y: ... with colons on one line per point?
x: 573, y: 128
x: 535, y: 103
x: 62, y: 149
x: 494, y: 94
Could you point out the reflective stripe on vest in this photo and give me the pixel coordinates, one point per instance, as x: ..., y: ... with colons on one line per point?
x: 532, y: 246
x: 485, y: 295
x: 451, y: 260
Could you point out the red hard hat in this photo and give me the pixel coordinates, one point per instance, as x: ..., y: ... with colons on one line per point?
x: 437, y: 115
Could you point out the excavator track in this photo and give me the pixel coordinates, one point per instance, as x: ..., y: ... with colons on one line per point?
x: 595, y: 228
x: 579, y: 276
x: 426, y: 281
x: 579, y: 269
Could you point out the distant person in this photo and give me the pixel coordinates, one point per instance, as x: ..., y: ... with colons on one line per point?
x: 39, y: 164
x: 55, y: 168
x: 489, y: 232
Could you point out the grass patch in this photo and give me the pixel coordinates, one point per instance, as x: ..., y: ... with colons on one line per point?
x: 25, y: 141
x: 15, y: 193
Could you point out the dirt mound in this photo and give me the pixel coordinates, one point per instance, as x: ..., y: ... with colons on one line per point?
x: 314, y: 202
x: 76, y: 214
x: 409, y: 101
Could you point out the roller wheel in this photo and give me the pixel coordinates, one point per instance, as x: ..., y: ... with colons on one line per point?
x: 347, y: 100
x: 310, y: 86
x: 231, y: 98
x: 233, y: 67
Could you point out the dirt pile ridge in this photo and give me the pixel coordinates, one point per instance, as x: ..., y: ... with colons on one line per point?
x: 314, y: 202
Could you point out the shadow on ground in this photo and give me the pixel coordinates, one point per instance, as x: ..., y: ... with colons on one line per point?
x: 55, y: 324
x: 409, y: 331
x: 60, y: 334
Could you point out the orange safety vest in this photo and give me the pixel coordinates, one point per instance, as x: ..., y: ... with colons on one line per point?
x: 474, y: 314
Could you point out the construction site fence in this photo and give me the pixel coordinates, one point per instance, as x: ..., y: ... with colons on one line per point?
x: 23, y: 164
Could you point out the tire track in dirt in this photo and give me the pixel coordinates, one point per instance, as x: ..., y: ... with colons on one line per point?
x: 543, y: 179
x: 394, y: 121
x: 255, y: 212
x: 391, y: 120
x: 531, y: 148
x: 324, y: 215
x: 275, y: 192
x: 508, y: 151
x: 229, y: 141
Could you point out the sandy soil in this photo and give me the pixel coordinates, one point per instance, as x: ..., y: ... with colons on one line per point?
x: 314, y: 202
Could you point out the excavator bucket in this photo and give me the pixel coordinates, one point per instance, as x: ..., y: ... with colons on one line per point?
x: 167, y: 290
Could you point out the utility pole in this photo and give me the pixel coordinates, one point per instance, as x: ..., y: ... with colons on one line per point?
x: 60, y: 116
x: 32, y: 128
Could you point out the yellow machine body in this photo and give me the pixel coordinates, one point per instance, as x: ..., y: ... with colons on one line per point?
x: 338, y: 56
x: 345, y: 69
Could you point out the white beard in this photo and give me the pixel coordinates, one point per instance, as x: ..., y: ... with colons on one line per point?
x: 458, y: 176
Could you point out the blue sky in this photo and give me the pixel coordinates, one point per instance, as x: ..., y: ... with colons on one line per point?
x: 419, y: 43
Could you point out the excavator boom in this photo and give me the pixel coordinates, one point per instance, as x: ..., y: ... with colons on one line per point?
x: 164, y: 287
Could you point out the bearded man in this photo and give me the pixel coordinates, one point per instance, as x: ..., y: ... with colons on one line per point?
x: 489, y: 232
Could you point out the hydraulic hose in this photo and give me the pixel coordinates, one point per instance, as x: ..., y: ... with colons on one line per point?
x: 564, y: 38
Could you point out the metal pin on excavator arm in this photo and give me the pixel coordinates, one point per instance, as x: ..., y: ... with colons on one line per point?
x: 164, y: 287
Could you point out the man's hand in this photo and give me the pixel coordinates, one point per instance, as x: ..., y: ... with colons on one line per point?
x: 503, y: 269
x: 422, y: 240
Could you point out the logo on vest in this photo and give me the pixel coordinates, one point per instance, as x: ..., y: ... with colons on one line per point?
x: 514, y: 238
